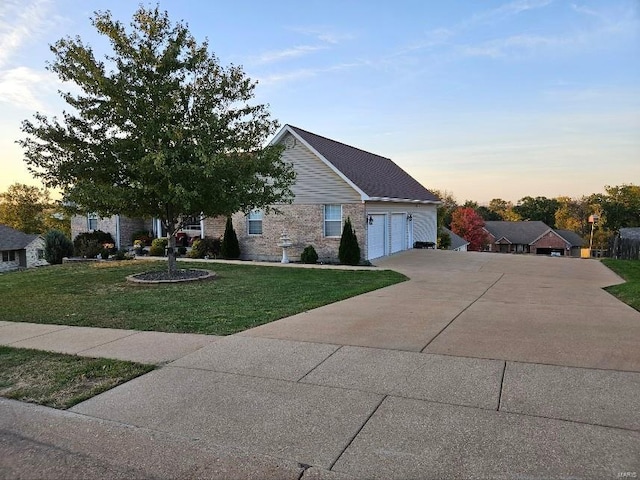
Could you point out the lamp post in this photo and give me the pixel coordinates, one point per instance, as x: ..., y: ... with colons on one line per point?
x: 593, y: 219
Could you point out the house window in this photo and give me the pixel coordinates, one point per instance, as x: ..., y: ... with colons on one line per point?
x: 255, y: 222
x: 9, y: 256
x: 92, y: 221
x: 191, y: 223
x: 40, y: 253
x: 332, y: 220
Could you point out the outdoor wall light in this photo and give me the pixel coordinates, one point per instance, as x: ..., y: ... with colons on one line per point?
x: 409, y: 217
x: 370, y: 220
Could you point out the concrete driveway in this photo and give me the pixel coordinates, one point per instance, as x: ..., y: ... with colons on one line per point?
x: 480, y: 366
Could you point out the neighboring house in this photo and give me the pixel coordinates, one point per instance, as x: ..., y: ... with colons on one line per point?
x: 20, y: 250
x: 458, y: 243
x: 389, y: 209
x: 531, y: 237
x: 630, y: 233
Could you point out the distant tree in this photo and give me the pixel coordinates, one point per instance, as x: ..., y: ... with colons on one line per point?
x: 487, y: 215
x: 621, y: 206
x: 504, y: 210
x: 25, y: 208
x: 469, y: 225
x: 573, y: 214
x: 158, y: 128
x: 230, y: 248
x: 56, y: 247
x: 539, y: 208
x: 349, y: 250
x: 445, y: 210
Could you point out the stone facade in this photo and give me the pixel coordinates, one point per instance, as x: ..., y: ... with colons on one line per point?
x: 121, y: 226
x: 304, y: 225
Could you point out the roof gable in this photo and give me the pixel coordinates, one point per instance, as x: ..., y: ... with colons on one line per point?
x: 519, y: 233
x: 374, y: 177
x: 12, y: 239
x: 456, y: 240
x: 572, y: 238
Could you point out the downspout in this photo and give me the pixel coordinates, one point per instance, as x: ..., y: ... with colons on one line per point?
x: 118, y: 232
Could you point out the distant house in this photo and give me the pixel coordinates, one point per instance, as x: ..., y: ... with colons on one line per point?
x: 458, y: 243
x: 20, y: 250
x: 388, y: 208
x: 531, y: 237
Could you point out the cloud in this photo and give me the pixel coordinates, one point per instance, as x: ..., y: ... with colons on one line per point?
x: 20, y: 22
x: 24, y: 87
x: 303, y: 73
x: 323, y: 34
x: 507, y: 10
x: 279, y: 55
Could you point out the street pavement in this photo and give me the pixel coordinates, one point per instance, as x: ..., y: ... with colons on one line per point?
x: 480, y: 366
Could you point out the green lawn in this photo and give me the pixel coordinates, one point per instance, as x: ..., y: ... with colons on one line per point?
x: 243, y: 296
x: 58, y: 380
x: 628, y: 292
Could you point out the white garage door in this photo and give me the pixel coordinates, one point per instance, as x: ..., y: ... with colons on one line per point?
x: 398, y: 232
x: 376, y: 237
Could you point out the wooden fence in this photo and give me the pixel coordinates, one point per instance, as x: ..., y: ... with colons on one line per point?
x: 625, y: 248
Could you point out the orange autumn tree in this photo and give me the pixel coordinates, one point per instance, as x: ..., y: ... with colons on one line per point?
x: 466, y: 222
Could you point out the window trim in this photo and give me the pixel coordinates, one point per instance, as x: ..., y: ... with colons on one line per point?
x: 258, y: 213
x: 9, y: 256
x: 332, y: 220
x: 92, y: 217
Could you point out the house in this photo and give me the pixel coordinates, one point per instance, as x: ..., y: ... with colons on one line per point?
x: 389, y: 209
x: 458, y: 244
x: 531, y: 237
x: 20, y: 250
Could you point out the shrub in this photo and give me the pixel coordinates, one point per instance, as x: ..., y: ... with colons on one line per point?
x: 309, y: 255
x: 349, y: 251
x: 56, y: 247
x: 90, y: 244
x: 206, y: 247
x: 122, y: 255
x: 182, y: 250
x: 144, y: 236
x: 230, y: 247
x: 158, y: 246
x: 444, y: 241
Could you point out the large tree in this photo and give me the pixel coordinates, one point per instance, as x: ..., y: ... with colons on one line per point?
x: 158, y: 128
x: 621, y: 206
x: 466, y: 223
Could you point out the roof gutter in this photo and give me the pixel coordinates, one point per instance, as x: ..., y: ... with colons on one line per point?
x: 404, y: 200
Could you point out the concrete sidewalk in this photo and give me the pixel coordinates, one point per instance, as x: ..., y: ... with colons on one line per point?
x: 480, y: 366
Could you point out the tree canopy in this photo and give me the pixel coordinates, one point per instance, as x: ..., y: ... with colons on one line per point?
x: 466, y: 222
x: 157, y: 128
x: 30, y: 209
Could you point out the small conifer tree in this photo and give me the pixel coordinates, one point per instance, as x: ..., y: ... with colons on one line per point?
x: 56, y: 247
x: 230, y: 247
x: 349, y: 251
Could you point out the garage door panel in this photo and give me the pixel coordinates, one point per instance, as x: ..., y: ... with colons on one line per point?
x: 398, y: 232
x: 376, y: 236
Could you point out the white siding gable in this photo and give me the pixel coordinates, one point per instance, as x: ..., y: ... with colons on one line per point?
x: 316, y: 182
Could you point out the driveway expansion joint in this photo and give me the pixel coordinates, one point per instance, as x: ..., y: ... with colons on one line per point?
x: 504, y: 369
x: 384, y: 397
x: 422, y: 350
x: 327, y: 358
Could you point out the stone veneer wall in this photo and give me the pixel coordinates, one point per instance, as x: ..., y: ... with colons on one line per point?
x: 304, y: 225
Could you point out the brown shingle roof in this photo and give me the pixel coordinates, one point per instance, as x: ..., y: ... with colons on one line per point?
x: 518, y: 233
x: 11, y: 239
x: 378, y: 177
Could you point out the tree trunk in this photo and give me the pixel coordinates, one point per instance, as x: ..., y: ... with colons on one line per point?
x: 171, y: 253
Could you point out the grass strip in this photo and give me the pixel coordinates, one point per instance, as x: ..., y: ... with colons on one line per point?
x: 58, y: 380
x: 628, y: 292
x: 241, y: 297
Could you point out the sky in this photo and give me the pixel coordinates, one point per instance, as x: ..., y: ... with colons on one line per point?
x: 490, y: 99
